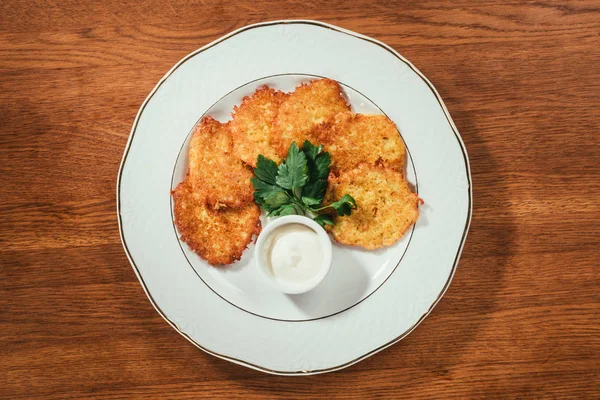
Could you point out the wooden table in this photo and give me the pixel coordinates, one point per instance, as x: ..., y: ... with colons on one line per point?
x: 521, y: 318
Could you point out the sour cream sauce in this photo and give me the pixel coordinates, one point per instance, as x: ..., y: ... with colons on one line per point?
x: 294, y: 253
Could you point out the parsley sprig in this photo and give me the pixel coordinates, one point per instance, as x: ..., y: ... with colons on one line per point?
x: 298, y: 185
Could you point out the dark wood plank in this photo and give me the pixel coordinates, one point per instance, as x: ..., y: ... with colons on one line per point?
x: 521, y: 318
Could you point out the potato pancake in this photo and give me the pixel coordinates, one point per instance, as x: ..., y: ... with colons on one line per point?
x: 308, y: 106
x: 352, y: 139
x: 386, y: 207
x: 218, y: 176
x: 252, y: 125
x: 218, y: 236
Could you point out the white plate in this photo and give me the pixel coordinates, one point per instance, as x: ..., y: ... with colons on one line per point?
x: 370, y: 299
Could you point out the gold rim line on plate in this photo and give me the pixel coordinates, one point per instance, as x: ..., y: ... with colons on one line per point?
x: 448, y: 118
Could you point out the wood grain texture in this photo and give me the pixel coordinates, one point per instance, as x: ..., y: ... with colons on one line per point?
x: 521, y: 318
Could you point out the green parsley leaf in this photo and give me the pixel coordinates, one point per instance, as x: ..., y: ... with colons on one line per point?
x: 322, y: 163
x: 315, y: 189
x: 286, y: 209
x: 266, y: 170
x: 311, y: 151
x: 344, y: 205
x: 318, y: 161
x: 292, y: 174
x: 324, y: 219
x: 318, y: 170
x: 311, y: 201
x: 276, y: 199
x: 263, y: 189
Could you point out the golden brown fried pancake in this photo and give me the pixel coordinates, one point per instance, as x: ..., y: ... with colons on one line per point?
x: 252, y: 125
x: 308, y: 106
x: 218, y: 236
x: 386, y: 208
x: 218, y: 176
x: 352, y: 139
